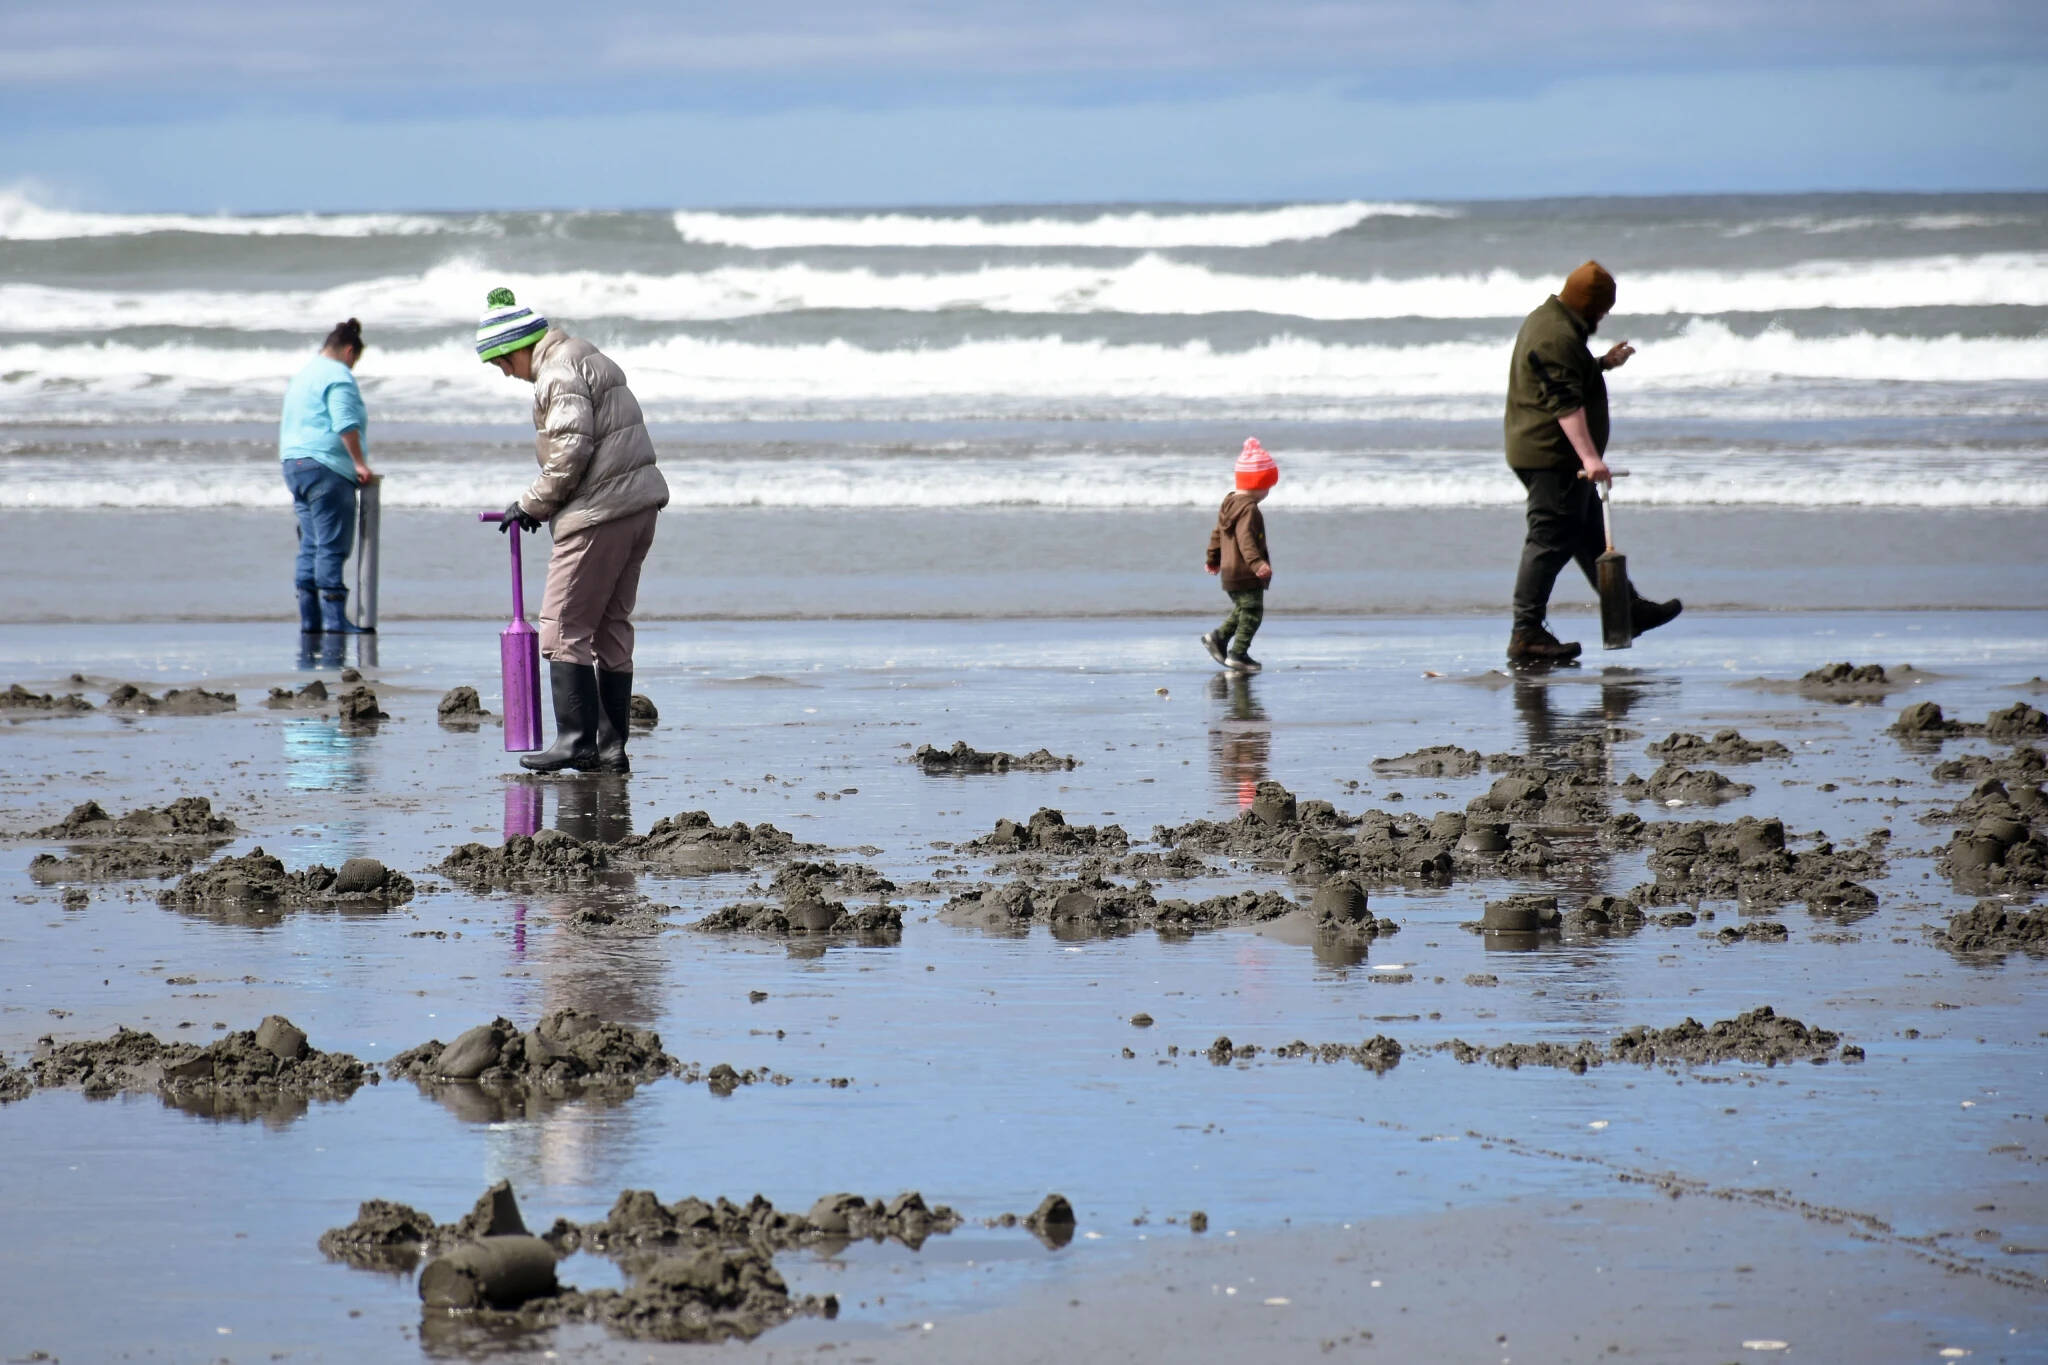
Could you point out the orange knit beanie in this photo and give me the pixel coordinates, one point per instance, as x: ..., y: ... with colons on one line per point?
x: 1255, y: 468
x: 1588, y: 291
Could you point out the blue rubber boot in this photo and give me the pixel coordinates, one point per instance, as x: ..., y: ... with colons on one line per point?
x: 334, y: 614
x: 309, y: 609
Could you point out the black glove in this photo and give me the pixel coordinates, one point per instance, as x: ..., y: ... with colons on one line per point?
x: 515, y: 515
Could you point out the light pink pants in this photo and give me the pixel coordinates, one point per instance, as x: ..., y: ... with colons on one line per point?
x: 586, y: 615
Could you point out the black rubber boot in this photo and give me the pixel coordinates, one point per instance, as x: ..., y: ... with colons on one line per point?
x: 576, y: 720
x: 1645, y: 615
x: 309, y: 609
x: 614, y: 719
x: 334, y: 614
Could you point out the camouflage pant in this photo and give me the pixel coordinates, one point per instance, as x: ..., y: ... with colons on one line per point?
x: 1247, y: 610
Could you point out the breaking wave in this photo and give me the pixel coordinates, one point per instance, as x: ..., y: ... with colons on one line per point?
x: 1135, y: 228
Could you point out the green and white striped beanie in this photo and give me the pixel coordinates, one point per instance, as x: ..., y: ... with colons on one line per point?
x: 507, y: 327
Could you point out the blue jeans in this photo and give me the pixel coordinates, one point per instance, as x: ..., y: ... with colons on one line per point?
x: 325, y: 504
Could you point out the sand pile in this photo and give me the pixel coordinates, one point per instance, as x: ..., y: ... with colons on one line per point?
x: 689, y: 844
x: 963, y: 759
x: 1727, y: 746
x: 547, y: 859
x: 568, y: 1051
x: 1692, y: 786
x: 19, y: 698
x: 274, y: 1059
x: 1994, y: 928
x: 258, y: 878
x: 1759, y: 1036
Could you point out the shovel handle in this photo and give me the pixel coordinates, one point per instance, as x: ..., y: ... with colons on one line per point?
x: 518, y: 578
x: 1612, y: 473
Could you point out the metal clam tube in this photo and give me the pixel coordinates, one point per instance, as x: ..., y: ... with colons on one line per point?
x: 369, y: 529
x: 495, y: 1272
x: 519, y: 661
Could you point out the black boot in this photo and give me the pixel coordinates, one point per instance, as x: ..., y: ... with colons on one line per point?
x: 576, y: 721
x: 614, y: 719
x: 1645, y: 616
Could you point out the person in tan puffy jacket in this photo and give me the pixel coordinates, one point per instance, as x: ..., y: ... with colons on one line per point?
x: 600, y: 492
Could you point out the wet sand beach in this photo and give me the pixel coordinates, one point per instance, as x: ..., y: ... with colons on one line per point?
x: 1472, y: 1156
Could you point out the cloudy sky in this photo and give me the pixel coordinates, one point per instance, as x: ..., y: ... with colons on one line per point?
x: 256, y: 105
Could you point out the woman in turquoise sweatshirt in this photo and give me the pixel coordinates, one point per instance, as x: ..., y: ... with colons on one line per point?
x: 321, y: 441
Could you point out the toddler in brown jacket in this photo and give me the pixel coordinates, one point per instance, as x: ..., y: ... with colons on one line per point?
x: 1237, y: 552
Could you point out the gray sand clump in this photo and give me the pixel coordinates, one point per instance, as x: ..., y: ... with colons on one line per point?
x: 1727, y: 746
x: 1047, y: 832
x: 14, y: 1085
x: 1693, y: 786
x: 689, y: 844
x: 1857, y: 682
x: 141, y: 861
x: 806, y: 916
x: 1092, y: 907
x: 1759, y: 1037
x: 567, y: 1052
x: 358, y: 706
x: 179, y: 701
x: 1312, y: 840
x: 19, y: 698
x: 461, y: 708
x: 1378, y: 1054
x: 272, y: 1061
x: 642, y: 713
x: 1993, y: 929
x: 962, y: 758
x: 1924, y: 720
x: 260, y: 879
x: 387, y: 1235
x: 313, y: 694
x: 1748, y: 860
x: 1601, y: 916
x: 147, y: 843
x: 2002, y: 842
x: 549, y: 859
x: 2022, y: 764
x: 1438, y: 760
x: 2015, y: 722
x: 188, y: 817
x: 639, y: 1222
x: 697, y: 1270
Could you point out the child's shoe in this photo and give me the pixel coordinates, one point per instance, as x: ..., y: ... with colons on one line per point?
x: 1242, y: 663
x: 1213, y: 642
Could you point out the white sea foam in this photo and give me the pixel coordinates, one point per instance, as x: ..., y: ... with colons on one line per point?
x: 448, y: 294
x: 1821, y: 226
x: 1136, y: 228
x: 1700, y: 370
x: 1312, y: 480
x: 22, y: 219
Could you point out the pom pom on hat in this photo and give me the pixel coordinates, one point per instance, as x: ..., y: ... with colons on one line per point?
x: 506, y: 326
x: 1255, y: 468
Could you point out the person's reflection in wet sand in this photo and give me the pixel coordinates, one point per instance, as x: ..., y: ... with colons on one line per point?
x: 1240, y: 740
x: 1585, y: 739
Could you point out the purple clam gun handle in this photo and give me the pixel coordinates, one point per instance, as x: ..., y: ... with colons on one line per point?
x: 519, y: 657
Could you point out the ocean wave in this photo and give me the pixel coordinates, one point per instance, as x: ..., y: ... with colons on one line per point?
x: 1088, y: 480
x: 1136, y: 228
x: 22, y: 219
x: 1701, y: 364
x: 1820, y: 225
x: 449, y: 294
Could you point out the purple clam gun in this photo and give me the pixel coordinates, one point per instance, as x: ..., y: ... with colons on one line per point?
x: 519, y: 656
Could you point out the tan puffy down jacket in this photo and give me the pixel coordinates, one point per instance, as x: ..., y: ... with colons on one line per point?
x: 596, y: 459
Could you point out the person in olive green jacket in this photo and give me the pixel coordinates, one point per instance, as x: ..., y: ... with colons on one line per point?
x: 1556, y: 428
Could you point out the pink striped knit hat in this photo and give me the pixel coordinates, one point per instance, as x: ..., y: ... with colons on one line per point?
x: 1255, y: 468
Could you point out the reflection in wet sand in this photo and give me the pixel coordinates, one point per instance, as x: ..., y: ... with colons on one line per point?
x: 1240, y: 739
